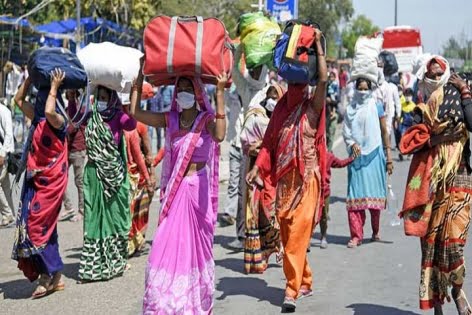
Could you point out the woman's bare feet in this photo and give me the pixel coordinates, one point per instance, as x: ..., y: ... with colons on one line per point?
x: 462, y: 304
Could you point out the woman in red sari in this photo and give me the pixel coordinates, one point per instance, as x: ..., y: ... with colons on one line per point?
x: 293, y: 157
x: 36, y: 245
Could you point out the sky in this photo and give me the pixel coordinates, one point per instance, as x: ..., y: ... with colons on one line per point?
x: 437, y: 20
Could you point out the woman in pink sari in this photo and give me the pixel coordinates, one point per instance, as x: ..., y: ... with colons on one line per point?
x: 180, y: 270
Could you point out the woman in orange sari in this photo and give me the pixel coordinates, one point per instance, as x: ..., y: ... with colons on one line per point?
x: 292, y: 157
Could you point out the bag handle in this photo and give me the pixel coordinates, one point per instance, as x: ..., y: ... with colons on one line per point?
x: 199, y: 41
x: 199, y: 46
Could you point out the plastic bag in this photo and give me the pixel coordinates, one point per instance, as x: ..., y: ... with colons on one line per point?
x: 110, y: 65
x: 258, y: 36
x: 392, y: 207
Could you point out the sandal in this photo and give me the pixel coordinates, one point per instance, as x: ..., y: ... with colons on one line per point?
x: 69, y: 214
x: 468, y: 309
x: 353, y: 243
x: 303, y: 293
x: 289, y: 305
x: 76, y: 218
x: 375, y: 238
x: 42, y: 289
x: 56, y: 284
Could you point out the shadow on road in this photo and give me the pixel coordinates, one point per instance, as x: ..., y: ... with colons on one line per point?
x: 223, y: 241
x: 372, y: 309
x: 17, y: 289
x: 71, y: 271
x: 343, y: 240
x: 256, y: 288
x: 335, y: 199
x: 237, y: 264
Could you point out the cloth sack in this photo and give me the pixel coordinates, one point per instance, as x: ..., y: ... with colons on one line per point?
x: 111, y: 65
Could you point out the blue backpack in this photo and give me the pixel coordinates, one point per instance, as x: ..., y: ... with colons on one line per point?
x: 295, y: 54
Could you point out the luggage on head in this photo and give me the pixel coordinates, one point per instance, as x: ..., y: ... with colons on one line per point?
x: 295, y: 54
x: 44, y: 60
x: 186, y: 46
x: 258, y: 35
x: 111, y: 65
x: 366, y: 57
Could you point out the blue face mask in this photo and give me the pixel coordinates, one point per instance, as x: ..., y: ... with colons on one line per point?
x: 102, y: 106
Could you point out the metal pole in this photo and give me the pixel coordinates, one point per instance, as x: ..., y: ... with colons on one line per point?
x: 396, y: 12
x: 261, y: 5
x: 77, y: 30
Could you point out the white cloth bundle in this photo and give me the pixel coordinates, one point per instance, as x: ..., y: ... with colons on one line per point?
x: 110, y: 65
x: 365, y: 63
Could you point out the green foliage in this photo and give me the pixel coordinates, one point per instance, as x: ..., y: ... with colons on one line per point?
x: 136, y: 13
x: 328, y: 14
x: 358, y: 27
x: 456, y: 48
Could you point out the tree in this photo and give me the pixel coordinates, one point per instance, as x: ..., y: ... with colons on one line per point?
x: 360, y: 26
x: 137, y: 13
x: 328, y: 14
x: 456, y: 48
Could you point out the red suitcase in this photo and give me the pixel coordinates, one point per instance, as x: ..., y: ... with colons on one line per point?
x: 186, y: 46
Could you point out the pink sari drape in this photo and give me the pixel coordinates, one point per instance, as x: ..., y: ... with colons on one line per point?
x: 180, y: 270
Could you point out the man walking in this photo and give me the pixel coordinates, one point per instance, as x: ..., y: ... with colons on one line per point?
x: 6, y: 146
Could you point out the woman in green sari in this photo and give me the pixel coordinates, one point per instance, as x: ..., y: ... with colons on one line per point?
x: 106, y: 188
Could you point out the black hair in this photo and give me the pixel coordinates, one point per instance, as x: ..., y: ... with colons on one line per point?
x: 408, y: 92
x: 360, y: 80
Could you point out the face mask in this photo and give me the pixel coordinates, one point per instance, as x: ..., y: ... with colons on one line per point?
x: 185, y: 100
x: 363, y: 95
x: 409, y: 99
x: 428, y: 86
x: 270, y: 104
x: 102, y: 106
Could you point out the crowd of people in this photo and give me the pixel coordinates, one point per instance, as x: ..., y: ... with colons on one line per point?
x: 281, y: 135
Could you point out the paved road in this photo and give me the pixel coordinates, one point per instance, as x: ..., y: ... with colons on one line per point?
x: 374, y: 279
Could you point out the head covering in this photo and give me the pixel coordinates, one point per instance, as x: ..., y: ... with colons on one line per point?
x: 361, y: 123
x: 114, y: 103
x: 280, y: 90
x: 427, y: 86
x: 441, y: 62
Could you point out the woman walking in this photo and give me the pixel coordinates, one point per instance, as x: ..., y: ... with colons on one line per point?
x: 180, y: 270
x: 437, y: 199
x: 106, y: 187
x: 292, y: 157
x: 364, y: 132
x: 141, y: 192
x: 36, y: 246
x: 262, y: 230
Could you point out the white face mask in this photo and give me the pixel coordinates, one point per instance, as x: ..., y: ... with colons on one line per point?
x: 185, y: 100
x: 270, y: 104
x: 102, y: 106
x: 409, y: 99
